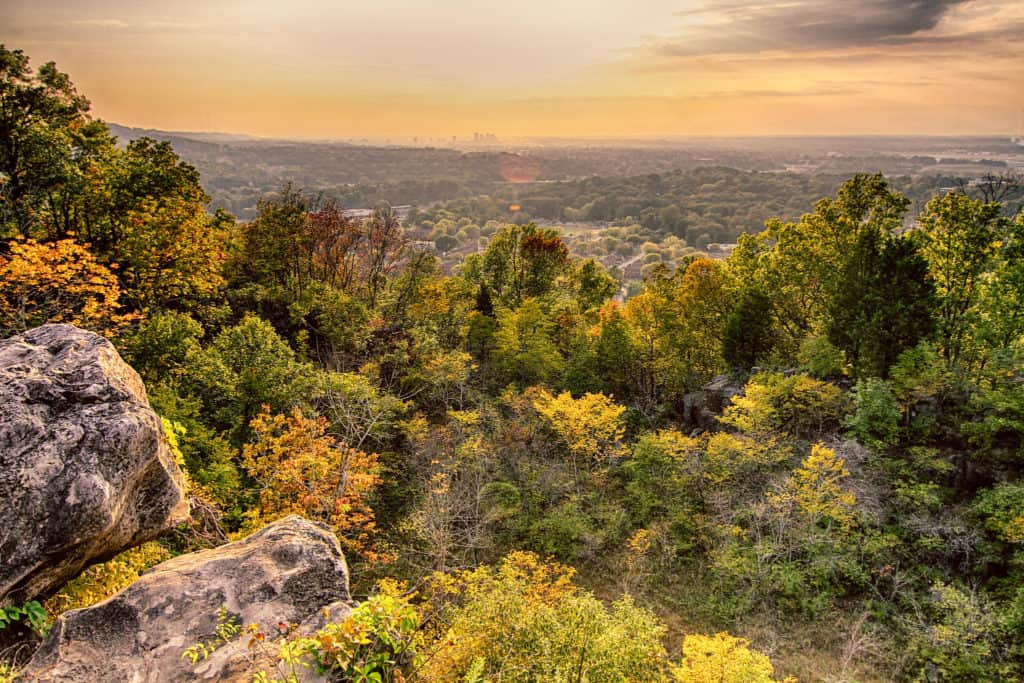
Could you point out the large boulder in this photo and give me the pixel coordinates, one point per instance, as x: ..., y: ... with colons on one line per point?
x: 85, y: 471
x: 287, y: 572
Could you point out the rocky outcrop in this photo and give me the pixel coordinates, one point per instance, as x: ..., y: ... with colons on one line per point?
x: 84, y: 469
x: 720, y: 392
x: 701, y: 409
x: 287, y: 572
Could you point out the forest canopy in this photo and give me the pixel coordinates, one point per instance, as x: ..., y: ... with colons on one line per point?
x: 521, y: 437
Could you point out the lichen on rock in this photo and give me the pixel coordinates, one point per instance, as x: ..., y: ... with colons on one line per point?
x: 85, y: 471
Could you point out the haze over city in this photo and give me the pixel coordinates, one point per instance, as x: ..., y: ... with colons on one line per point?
x: 319, y: 69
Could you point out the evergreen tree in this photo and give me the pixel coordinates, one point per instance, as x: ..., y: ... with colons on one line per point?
x: 748, y: 335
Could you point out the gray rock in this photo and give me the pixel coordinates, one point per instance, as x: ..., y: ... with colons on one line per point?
x: 720, y: 392
x: 84, y: 468
x: 290, y: 571
x: 701, y: 409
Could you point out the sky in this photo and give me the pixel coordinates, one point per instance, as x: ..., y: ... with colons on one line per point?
x: 349, y: 69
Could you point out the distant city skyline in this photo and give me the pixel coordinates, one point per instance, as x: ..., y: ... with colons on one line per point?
x: 558, y: 68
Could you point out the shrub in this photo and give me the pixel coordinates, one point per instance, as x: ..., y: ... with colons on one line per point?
x: 724, y: 659
x: 876, y: 415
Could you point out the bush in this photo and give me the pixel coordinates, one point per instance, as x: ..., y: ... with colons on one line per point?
x: 722, y: 658
x: 819, y: 357
x: 876, y: 416
x: 558, y: 633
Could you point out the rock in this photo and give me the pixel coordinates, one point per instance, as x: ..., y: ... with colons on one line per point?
x: 84, y: 468
x: 720, y: 392
x: 287, y: 572
x: 701, y: 409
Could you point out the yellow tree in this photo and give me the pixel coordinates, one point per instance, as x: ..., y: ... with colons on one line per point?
x: 58, y: 282
x: 590, y: 426
x: 722, y: 658
x: 303, y: 470
x: 172, y: 252
x: 702, y: 301
x: 645, y: 334
x: 815, y: 488
x: 559, y: 632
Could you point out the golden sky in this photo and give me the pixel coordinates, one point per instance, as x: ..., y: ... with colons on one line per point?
x: 576, y: 68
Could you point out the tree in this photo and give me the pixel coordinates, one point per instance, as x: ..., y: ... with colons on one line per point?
x: 958, y: 239
x: 147, y: 174
x: 523, y: 261
x: 246, y: 367
x: 795, y: 405
x: 802, y: 266
x: 815, y: 489
x: 459, y: 500
x: 358, y: 411
x: 59, y: 282
x: 682, y: 317
x: 1000, y: 188
x: 1001, y: 301
x: 748, y: 330
x: 590, y: 426
x: 883, y: 304
x: 702, y: 302
x: 664, y: 483
x: 876, y: 417
x: 560, y: 634
x: 614, y: 355
x: 960, y: 636
x: 382, y: 251
x: 724, y: 659
x: 524, y: 350
x: 484, y: 305
x: 172, y: 254
x: 277, y: 247
x: 300, y: 469
x: 43, y: 122
x: 594, y: 286
x: 158, y: 348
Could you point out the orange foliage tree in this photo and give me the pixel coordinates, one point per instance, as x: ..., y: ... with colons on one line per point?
x: 57, y: 282
x: 303, y: 470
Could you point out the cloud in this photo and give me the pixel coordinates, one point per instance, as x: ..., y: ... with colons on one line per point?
x: 115, y: 24
x: 151, y: 26
x: 815, y: 91
x: 728, y: 27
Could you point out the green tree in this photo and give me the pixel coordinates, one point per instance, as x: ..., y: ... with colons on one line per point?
x: 883, y: 304
x: 1001, y: 301
x: 876, y: 416
x: 44, y: 123
x: 749, y: 330
x: 594, y: 285
x: 614, y: 356
x: 803, y: 266
x: 147, y: 176
x: 525, y: 352
x: 246, y: 367
x: 157, y: 349
x: 959, y: 238
x: 523, y: 261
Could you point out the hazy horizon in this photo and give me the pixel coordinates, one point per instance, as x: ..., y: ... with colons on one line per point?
x: 402, y: 140
x: 558, y: 69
